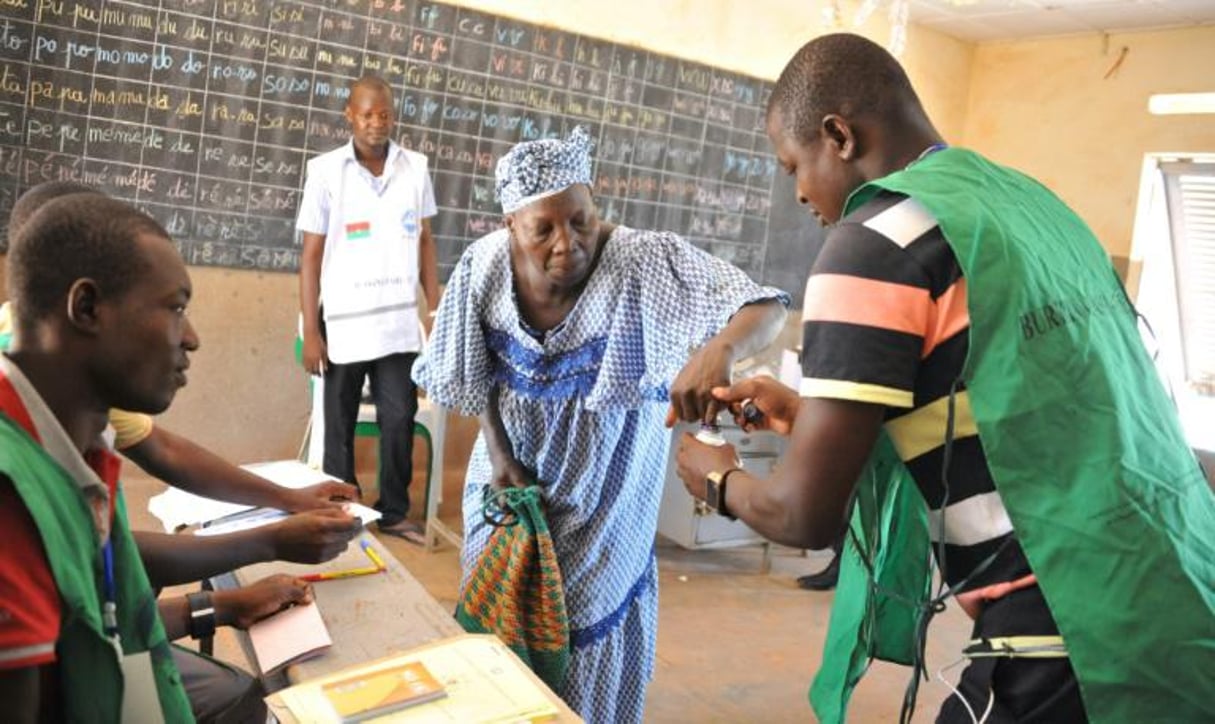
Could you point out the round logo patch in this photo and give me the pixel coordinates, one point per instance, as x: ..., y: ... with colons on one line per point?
x: 409, y: 222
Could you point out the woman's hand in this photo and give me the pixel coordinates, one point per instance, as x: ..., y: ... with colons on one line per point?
x: 510, y: 473
x: 692, y: 393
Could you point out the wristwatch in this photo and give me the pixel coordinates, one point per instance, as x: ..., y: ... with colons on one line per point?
x: 715, y: 492
x: 202, y: 615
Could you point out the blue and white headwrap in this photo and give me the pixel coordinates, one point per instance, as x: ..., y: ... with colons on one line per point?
x: 533, y: 170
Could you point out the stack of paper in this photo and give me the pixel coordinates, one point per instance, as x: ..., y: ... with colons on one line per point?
x: 480, y: 680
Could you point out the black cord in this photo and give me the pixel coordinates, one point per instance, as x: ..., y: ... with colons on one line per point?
x: 935, y: 604
x: 498, y: 507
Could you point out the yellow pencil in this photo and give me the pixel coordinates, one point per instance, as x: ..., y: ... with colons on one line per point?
x: 348, y: 573
x: 375, y: 557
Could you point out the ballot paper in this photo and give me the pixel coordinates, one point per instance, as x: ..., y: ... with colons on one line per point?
x: 257, y: 517
x: 176, y: 508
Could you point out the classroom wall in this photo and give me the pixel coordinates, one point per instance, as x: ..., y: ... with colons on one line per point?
x: 1065, y: 111
x: 247, y: 397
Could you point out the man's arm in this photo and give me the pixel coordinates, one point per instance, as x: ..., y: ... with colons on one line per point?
x: 750, y: 330
x: 311, y: 537
x: 238, y: 607
x: 804, y: 502
x: 316, y: 356
x: 186, y: 465
x: 428, y: 266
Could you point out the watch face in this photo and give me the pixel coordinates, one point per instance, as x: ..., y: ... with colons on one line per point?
x: 713, y: 490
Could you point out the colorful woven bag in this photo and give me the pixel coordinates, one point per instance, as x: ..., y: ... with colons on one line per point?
x: 515, y: 591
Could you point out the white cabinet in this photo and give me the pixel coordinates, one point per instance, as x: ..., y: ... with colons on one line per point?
x: 678, y: 518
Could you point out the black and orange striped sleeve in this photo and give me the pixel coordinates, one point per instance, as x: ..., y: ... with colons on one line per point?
x: 873, y: 305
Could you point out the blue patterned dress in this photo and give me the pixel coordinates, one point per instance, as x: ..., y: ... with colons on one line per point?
x: 584, y: 406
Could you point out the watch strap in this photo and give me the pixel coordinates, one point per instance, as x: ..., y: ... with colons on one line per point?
x: 715, y: 492
x: 722, y: 510
x: 202, y: 615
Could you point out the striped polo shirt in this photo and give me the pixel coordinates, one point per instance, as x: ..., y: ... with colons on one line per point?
x: 885, y: 321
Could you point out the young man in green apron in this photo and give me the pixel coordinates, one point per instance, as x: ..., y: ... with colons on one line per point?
x: 100, y: 294
x: 217, y: 691
x: 974, y: 375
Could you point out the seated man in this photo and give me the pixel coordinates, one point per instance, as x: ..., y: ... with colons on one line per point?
x: 172, y: 458
x: 215, y: 690
x: 100, y: 295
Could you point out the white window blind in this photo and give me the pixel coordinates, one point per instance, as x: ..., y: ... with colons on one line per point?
x: 1189, y: 188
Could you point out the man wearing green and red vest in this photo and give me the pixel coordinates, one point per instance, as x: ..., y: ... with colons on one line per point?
x: 100, y: 294
x: 973, y: 374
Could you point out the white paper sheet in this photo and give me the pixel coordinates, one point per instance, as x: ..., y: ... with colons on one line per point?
x: 291, y: 635
x: 176, y: 508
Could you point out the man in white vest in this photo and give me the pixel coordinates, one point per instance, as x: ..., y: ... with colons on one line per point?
x: 364, y: 218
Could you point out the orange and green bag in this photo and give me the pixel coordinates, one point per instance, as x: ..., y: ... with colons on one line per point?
x: 515, y: 591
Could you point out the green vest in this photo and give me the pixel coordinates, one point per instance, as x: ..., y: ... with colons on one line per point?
x: 89, y: 674
x: 1085, y: 448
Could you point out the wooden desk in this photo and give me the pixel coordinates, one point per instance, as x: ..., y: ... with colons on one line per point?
x: 369, y: 617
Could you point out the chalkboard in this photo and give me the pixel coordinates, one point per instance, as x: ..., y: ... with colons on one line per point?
x: 204, y: 113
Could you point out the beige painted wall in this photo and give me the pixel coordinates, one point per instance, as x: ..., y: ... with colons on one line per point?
x: 247, y: 399
x: 1046, y: 108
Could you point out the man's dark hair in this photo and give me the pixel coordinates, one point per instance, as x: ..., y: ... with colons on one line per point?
x: 73, y: 237
x: 35, y: 197
x: 844, y: 74
x: 371, y: 82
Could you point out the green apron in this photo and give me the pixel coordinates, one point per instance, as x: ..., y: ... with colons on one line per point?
x: 1086, y: 450
x: 89, y: 674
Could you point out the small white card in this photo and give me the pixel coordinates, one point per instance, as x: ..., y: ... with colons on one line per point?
x: 365, y: 514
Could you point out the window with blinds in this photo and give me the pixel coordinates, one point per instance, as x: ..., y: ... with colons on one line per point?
x: 1189, y: 190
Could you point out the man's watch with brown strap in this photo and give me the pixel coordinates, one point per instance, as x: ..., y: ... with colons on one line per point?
x: 715, y: 492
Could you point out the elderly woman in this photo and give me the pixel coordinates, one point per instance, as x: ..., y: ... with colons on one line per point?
x: 567, y: 336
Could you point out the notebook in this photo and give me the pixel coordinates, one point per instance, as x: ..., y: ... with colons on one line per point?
x: 289, y: 636
x: 370, y: 695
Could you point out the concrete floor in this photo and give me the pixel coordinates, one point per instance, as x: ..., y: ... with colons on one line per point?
x: 734, y: 645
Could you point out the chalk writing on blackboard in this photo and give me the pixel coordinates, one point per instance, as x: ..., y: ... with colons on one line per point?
x: 205, y: 112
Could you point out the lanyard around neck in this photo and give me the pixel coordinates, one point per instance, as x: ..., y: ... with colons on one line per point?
x: 109, y: 607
